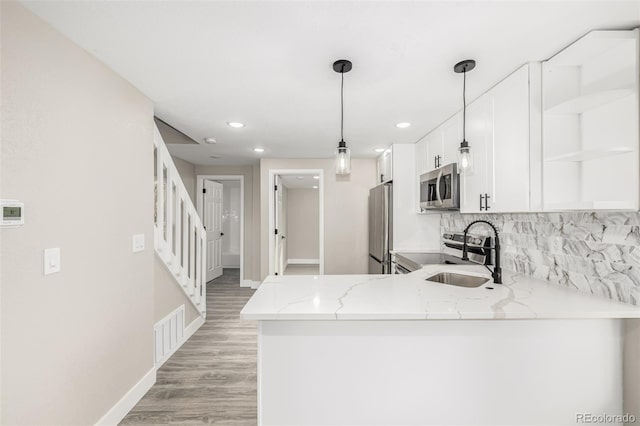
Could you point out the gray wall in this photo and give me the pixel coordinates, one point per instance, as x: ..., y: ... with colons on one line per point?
x: 169, y: 296
x: 77, y: 149
x: 302, y: 220
x: 346, y: 212
x: 632, y: 367
x: 187, y: 173
x: 595, y: 252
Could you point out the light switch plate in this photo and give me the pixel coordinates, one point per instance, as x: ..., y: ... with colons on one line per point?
x: 138, y: 243
x: 51, y: 261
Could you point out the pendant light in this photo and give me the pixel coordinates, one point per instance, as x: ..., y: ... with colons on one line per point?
x: 465, y: 159
x: 343, y: 154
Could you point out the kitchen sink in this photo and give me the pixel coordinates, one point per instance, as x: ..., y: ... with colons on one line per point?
x: 458, y: 280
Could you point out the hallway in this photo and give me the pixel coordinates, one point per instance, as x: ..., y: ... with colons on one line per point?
x: 211, y: 379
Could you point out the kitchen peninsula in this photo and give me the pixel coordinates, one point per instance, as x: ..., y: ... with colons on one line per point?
x: 398, y: 349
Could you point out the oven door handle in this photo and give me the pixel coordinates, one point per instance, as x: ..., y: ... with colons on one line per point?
x: 438, y: 187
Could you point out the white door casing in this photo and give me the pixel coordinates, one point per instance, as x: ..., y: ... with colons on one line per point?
x: 213, y: 223
x: 278, y: 248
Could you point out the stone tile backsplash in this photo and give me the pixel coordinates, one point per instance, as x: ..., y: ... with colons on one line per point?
x: 591, y: 251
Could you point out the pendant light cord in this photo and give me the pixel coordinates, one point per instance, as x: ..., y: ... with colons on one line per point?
x: 342, y: 105
x: 464, y: 104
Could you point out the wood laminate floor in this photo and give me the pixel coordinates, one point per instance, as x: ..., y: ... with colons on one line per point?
x: 211, y: 379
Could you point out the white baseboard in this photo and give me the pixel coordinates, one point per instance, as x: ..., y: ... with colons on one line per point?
x: 192, y: 328
x: 129, y: 400
x: 303, y: 261
x: 250, y: 283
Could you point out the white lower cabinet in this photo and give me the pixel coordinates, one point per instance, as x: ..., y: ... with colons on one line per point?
x: 498, y: 131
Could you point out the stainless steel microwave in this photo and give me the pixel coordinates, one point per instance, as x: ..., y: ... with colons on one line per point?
x: 440, y: 189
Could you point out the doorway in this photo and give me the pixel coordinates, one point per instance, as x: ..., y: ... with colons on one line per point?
x: 220, y: 204
x: 296, y: 244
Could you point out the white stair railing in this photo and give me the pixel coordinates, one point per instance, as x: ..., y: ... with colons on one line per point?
x: 179, y: 236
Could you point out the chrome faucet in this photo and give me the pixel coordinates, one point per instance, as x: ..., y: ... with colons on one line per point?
x: 496, y: 274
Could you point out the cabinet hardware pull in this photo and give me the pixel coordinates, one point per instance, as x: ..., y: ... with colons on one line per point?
x: 481, y: 198
x: 486, y: 201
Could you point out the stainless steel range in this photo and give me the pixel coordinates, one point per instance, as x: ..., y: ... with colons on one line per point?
x: 478, y: 248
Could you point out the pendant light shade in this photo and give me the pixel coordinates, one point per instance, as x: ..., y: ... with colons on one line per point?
x: 342, y: 154
x: 343, y: 159
x: 465, y: 157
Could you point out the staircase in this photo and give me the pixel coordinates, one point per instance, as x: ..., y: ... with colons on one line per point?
x: 179, y: 236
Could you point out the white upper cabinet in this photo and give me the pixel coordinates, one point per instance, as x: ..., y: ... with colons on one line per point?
x: 421, y: 157
x: 499, y: 134
x: 451, y: 138
x: 385, y: 166
x: 440, y: 146
x: 590, y: 124
x: 434, y: 149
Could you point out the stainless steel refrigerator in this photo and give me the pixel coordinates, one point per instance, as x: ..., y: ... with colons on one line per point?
x: 380, y: 229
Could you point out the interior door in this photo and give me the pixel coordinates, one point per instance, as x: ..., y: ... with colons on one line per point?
x: 213, y: 224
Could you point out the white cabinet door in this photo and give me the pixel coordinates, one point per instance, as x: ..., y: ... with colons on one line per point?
x: 434, y: 149
x: 451, y: 138
x: 498, y: 133
x: 421, y: 158
x: 385, y: 166
x: 480, y: 137
x: 509, y: 157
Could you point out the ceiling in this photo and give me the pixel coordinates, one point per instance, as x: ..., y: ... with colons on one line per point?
x: 298, y: 181
x: 268, y: 64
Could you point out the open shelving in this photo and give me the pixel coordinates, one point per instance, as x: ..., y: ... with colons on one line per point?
x: 590, y: 124
x: 587, y: 101
x: 588, y: 154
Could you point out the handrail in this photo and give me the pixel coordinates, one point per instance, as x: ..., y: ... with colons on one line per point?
x: 179, y: 235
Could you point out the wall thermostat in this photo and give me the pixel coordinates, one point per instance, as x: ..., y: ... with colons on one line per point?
x: 12, y: 213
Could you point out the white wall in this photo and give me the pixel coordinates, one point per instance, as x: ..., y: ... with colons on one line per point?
x: 77, y: 149
x: 346, y: 212
x: 303, y: 222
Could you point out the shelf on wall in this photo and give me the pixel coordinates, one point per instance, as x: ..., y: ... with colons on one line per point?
x: 588, y: 154
x: 588, y: 101
x: 591, y: 205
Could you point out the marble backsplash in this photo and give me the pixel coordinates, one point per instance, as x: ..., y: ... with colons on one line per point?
x: 593, y: 252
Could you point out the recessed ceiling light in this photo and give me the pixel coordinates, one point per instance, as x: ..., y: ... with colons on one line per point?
x: 403, y: 125
x: 315, y: 187
x: 300, y: 177
x: 379, y: 149
x: 258, y: 149
x: 316, y: 177
x: 235, y: 124
x: 210, y: 140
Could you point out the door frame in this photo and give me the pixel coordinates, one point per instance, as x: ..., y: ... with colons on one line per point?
x: 270, y: 231
x: 200, y: 186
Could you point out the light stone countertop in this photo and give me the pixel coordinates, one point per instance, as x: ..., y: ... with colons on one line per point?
x: 411, y: 297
